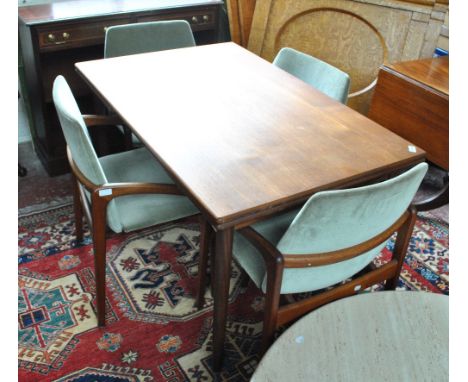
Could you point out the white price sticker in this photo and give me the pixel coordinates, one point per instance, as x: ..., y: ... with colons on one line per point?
x: 105, y: 192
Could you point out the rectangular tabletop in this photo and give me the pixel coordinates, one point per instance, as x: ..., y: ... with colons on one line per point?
x: 239, y: 135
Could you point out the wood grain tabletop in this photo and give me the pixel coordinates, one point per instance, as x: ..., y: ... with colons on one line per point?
x: 239, y: 135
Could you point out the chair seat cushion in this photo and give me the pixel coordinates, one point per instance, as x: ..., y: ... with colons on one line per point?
x: 141, y: 211
x: 295, y: 280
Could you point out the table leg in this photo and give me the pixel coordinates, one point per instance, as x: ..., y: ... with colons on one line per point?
x: 222, y: 277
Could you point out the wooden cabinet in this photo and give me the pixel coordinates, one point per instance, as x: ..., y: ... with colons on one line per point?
x: 412, y: 99
x: 54, y: 36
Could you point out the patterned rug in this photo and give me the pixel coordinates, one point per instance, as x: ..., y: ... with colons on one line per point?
x: 153, y: 333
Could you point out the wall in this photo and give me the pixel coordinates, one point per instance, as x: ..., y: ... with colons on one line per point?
x: 357, y: 36
x: 443, y: 41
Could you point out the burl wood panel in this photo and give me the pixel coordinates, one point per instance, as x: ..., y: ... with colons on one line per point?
x: 357, y: 36
x: 251, y: 141
x: 240, y: 13
x: 412, y: 100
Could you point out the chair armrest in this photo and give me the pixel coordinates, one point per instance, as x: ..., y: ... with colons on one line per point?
x: 271, y: 253
x: 324, y: 258
x: 110, y: 191
x: 102, y: 120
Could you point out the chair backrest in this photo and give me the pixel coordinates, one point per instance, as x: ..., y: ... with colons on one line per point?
x: 122, y: 40
x: 76, y: 132
x: 320, y: 75
x: 78, y: 139
x: 334, y: 220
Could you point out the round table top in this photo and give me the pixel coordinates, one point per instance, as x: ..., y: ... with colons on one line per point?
x: 381, y: 336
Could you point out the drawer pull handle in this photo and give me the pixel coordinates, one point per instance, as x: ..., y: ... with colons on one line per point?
x: 195, y: 19
x: 51, y: 37
x: 105, y: 29
x: 206, y: 18
x: 65, y: 35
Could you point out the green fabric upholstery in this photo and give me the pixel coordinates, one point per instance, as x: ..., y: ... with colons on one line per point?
x: 76, y: 133
x: 140, y: 211
x: 329, y: 221
x: 77, y: 137
x: 247, y: 255
x: 122, y: 40
x: 125, y: 213
x: 320, y: 75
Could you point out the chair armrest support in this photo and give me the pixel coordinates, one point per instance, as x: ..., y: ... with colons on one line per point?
x: 268, y: 251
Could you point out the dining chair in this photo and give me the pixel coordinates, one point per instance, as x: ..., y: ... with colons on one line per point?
x: 124, y: 191
x: 153, y: 36
x: 326, y: 246
x: 320, y: 75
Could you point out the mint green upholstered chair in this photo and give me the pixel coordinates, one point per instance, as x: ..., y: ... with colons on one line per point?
x: 126, y: 191
x: 320, y: 75
x: 154, y: 36
x: 333, y: 237
x: 123, y: 40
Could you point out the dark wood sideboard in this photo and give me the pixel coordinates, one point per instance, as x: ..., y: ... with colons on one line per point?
x: 412, y: 99
x: 53, y: 37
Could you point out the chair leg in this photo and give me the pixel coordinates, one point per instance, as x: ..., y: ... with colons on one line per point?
x: 78, y: 210
x: 128, y: 143
x: 212, y: 261
x: 22, y: 171
x: 99, y: 207
x: 274, y: 279
x: 245, y: 279
x: 401, y: 248
x: 205, y: 236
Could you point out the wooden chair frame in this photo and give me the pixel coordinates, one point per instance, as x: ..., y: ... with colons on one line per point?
x: 276, y: 315
x: 95, y: 212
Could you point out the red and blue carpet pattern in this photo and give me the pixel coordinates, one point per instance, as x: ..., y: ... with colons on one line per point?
x: 152, y: 331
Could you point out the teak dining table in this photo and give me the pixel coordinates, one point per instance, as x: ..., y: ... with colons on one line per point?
x: 242, y: 138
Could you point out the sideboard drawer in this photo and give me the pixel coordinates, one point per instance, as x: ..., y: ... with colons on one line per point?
x: 201, y: 19
x: 75, y: 35
x: 65, y: 36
